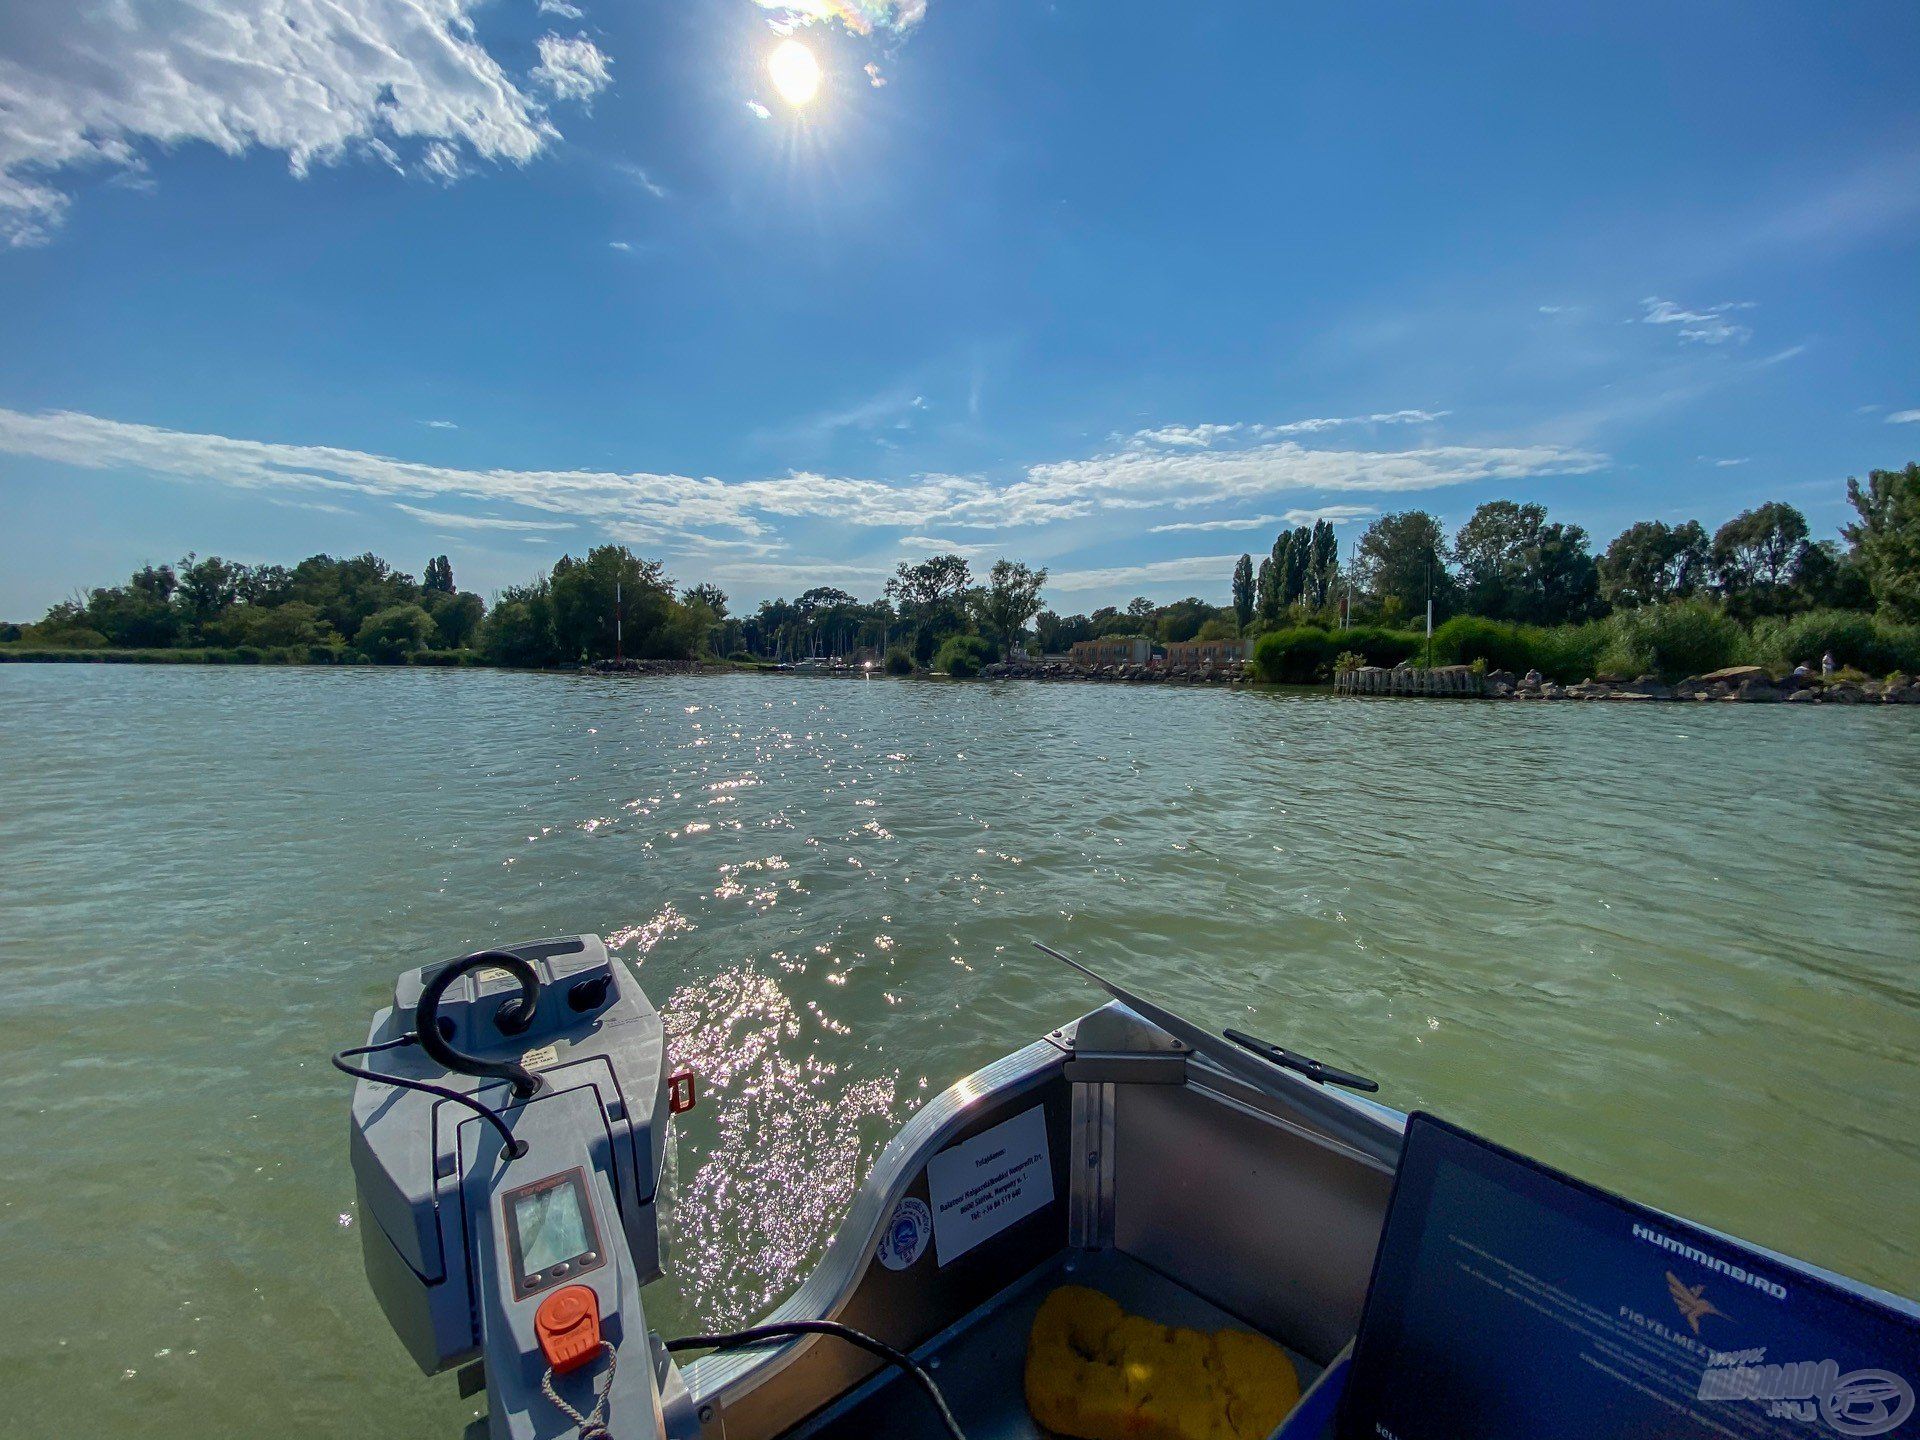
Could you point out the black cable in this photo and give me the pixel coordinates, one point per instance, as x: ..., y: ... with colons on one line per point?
x: 515, y: 1148
x: 786, y: 1329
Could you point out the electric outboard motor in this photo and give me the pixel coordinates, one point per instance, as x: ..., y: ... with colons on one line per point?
x: 512, y: 1156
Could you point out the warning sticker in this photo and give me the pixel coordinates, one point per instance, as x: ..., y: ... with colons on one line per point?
x: 981, y: 1186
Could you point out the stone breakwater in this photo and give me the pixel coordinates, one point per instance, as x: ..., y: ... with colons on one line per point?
x: 1229, y: 674
x: 1741, y: 683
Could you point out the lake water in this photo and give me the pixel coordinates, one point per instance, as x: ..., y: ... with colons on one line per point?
x: 1670, y: 948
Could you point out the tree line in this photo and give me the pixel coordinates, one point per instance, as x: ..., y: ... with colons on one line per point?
x: 1508, y: 562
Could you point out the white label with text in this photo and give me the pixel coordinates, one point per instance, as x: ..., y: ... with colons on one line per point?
x: 981, y: 1186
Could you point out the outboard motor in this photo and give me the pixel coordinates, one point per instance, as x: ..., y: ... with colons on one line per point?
x: 512, y: 1156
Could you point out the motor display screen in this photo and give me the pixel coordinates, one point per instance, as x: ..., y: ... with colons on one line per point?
x: 550, y: 1231
x: 1511, y: 1300
x: 551, y: 1227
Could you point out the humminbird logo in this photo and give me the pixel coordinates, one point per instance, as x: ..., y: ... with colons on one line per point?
x: 1710, y: 1262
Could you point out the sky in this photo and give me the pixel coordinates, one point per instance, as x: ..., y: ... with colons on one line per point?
x: 1114, y: 288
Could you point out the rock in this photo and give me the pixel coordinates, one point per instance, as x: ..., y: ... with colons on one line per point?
x: 1628, y: 695
x: 1500, y: 677
x: 1499, y: 690
x: 1589, y: 690
x: 1736, y: 674
x: 1845, y: 693
x: 1551, y: 691
x: 1757, y: 690
x: 1802, y: 697
x: 1647, y: 687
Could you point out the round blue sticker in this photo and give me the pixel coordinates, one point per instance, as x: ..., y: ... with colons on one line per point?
x: 906, y: 1235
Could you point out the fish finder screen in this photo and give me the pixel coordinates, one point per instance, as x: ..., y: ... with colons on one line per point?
x: 1511, y: 1300
x: 552, y: 1226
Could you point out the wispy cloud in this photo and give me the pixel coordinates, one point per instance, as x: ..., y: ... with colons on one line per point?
x: 1332, y: 514
x: 440, y: 424
x: 759, y: 111
x: 1726, y: 463
x: 1707, y: 327
x: 620, y: 245
x: 639, y: 176
x: 1154, y: 572
x: 575, y: 69
x: 450, y: 520
x: 319, y: 81
x: 863, y: 17
x: 685, y: 509
x: 874, y: 77
x: 1904, y: 417
x: 938, y: 545
x: 1202, y: 437
x: 561, y: 8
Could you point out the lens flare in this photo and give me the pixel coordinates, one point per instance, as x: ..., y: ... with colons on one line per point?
x: 794, y: 72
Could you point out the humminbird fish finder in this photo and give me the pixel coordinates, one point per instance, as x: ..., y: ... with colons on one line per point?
x: 1509, y: 1300
x: 511, y: 1152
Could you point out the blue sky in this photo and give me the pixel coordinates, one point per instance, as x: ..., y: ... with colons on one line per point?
x: 1112, y: 288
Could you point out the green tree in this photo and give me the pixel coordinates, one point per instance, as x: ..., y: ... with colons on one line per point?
x: 584, y: 604
x: 1755, y: 555
x: 1299, y: 563
x: 273, y: 626
x: 1399, y: 558
x: 1652, y: 562
x: 1266, y: 591
x: 456, y: 616
x: 1010, y: 599
x: 1514, y: 565
x: 1183, y: 619
x: 963, y: 655
x: 519, y: 628
x: 207, y: 588
x: 394, y: 633
x: 1323, y: 564
x: 1243, y: 591
x: 347, y: 591
x: 1886, y: 538
x: 439, y: 577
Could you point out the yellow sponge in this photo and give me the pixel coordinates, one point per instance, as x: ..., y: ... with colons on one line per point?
x: 1098, y: 1373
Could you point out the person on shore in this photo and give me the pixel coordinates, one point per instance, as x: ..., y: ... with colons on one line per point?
x: 1533, y: 677
x: 1828, y: 664
x: 1802, y: 671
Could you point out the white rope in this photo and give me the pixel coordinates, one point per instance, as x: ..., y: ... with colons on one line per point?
x: 593, y: 1424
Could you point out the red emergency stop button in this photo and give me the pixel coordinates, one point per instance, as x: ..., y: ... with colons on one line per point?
x: 568, y: 1324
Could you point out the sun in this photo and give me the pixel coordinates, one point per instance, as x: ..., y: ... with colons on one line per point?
x: 794, y: 71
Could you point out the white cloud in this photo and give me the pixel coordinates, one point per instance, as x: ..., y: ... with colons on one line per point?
x: 1709, y: 327
x: 1332, y: 514
x: 99, y: 85
x: 619, y: 245
x: 639, y: 176
x: 874, y: 77
x: 561, y: 8
x: 453, y: 521
x: 760, y: 112
x: 1153, y: 572
x: 1203, y: 437
x: 684, y: 509
x: 575, y: 69
x: 863, y: 17
x: 440, y: 424
x: 938, y: 545
x: 1904, y: 417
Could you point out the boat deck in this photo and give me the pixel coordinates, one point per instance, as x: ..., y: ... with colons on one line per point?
x: 980, y: 1363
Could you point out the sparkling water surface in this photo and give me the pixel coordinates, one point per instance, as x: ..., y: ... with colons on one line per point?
x: 1670, y: 948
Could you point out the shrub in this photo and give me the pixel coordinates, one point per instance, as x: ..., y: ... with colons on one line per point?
x: 963, y: 655
x: 1502, y: 645
x: 248, y: 654
x: 1347, y: 661
x: 393, y: 634
x: 744, y: 657
x: 1688, y: 637
x: 1307, y: 654
x: 899, y: 661
x: 1862, y: 641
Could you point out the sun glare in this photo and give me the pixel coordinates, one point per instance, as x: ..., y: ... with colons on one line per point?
x: 795, y: 73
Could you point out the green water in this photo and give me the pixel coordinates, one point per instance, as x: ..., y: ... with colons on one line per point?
x: 1673, y: 949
